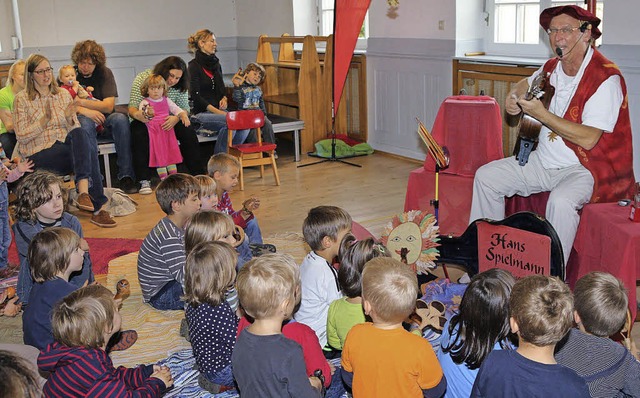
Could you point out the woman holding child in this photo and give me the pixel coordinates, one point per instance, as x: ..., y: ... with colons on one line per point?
x: 174, y: 71
x: 48, y: 133
x: 207, y: 90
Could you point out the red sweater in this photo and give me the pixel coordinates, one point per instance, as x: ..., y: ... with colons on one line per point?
x: 306, y: 337
x: 89, y: 372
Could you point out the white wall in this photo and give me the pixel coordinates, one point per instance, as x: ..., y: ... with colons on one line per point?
x: 273, y: 17
x: 414, y: 19
x: 64, y: 22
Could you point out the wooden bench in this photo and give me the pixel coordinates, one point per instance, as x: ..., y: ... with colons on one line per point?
x: 280, y: 124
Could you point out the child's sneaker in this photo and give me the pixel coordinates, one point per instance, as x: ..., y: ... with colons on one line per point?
x: 145, y: 187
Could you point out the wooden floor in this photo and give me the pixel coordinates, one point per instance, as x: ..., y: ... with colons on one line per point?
x: 372, y: 194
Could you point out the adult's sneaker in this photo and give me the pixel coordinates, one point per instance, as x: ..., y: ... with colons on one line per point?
x: 128, y: 185
x: 145, y: 187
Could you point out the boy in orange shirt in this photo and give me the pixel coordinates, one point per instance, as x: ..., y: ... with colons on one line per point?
x: 406, y: 362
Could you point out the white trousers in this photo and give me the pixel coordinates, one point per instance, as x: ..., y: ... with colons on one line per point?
x: 570, y: 189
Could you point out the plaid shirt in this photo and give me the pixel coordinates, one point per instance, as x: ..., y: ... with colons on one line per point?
x: 32, y: 138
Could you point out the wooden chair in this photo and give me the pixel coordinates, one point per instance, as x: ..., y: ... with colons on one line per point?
x: 251, y: 154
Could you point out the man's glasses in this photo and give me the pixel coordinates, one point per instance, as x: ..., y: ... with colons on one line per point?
x: 564, y: 31
x: 43, y: 71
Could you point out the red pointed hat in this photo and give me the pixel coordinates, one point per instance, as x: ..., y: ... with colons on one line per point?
x: 574, y: 11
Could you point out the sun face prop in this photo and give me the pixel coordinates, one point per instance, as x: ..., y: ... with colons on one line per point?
x: 412, y: 238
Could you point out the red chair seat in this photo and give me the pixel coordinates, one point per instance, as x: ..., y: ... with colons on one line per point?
x: 253, y: 147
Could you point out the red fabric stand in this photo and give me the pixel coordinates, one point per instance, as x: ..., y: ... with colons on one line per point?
x: 607, y: 241
x: 471, y: 129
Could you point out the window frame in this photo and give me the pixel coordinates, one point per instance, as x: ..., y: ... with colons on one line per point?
x: 539, y: 50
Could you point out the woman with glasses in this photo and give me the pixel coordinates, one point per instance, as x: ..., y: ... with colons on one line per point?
x: 48, y: 133
x: 207, y: 91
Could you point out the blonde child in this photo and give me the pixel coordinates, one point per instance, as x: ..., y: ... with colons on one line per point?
x: 480, y: 326
x: 162, y: 256
x: 323, y: 230
x: 384, y: 348
x: 78, y: 364
x: 211, y: 226
x: 54, y: 254
x: 209, y: 273
x: 67, y: 80
x: 224, y: 169
x: 164, y: 152
x: 541, y: 313
x: 347, y: 311
x: 39, y: 206
x: 208, y: 192
x: 266, y: 363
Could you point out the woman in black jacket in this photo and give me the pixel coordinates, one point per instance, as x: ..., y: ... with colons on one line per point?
x: 207, y: 91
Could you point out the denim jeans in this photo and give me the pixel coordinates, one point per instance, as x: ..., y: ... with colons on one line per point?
x: 253, y: 232
x: 168, y: 298
x: 223, y: 377
x: 117, y: 128
x: 244, y: 254
x: 5, y: 230
x: 218, y: 122
x: 77, y: 154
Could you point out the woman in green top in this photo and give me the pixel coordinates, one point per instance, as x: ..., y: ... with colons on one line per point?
x: 174, y: 71
x: 15, y: 84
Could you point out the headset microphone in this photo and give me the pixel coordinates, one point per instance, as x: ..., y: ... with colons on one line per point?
x: 583, y: 28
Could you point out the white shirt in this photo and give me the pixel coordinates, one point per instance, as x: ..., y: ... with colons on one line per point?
x: 600, y: 111
x: 320, y: 287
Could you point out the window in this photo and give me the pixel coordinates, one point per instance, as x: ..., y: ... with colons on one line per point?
x: 514, y: 29
x: 325, y: 20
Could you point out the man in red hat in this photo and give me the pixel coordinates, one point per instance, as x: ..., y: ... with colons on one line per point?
x: 584, y: 152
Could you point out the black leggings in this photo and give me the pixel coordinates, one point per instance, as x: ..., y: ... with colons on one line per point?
x: 189, y: 148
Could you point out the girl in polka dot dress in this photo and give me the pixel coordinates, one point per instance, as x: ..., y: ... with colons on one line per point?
x: 209, y: 273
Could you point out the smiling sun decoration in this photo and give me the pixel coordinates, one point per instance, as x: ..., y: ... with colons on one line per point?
x: 412, y: 238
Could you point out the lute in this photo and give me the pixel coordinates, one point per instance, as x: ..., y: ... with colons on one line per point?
x: 529, y: 127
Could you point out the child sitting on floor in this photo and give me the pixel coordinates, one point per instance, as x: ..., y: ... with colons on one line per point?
x: 384, y: 348
x: 265, y: 363
x: 54, y: 254
x: 208, y: 194
x: 17, y: 379
x: 224, y: 169
x: 323, y: 230
x: 40, y: 205
x: 77, y: 361
x: 209, y: 272
x: 601, y: 306
x: 347, y: 311
x: 480, y: 326
x: 162, y: 256
x: 541, y: 314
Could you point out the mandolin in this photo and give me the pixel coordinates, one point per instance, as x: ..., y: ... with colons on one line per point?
x: 528, y: 127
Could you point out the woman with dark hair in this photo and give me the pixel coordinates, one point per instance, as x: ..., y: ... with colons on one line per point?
x: 48, y: 133
x: 207, y: 90
x: 174, y: 71
x: 480, y: 326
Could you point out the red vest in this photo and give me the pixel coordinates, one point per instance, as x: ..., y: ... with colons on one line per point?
x: 610, y: 161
